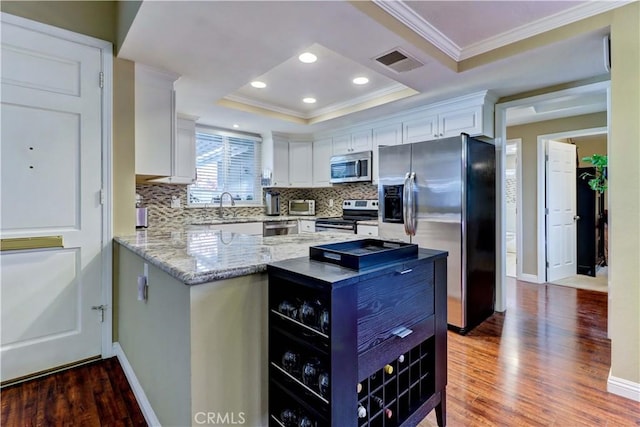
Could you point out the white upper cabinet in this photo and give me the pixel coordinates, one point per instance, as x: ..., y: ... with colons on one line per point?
x: 154, y: 121
x: 184, y: 161
x: 321, y: 155
x: 384, y: 135
x: 420, y: 129
x: 472, y: 115
x: 352, y: 143
x: 300, y: 164
x: 280, y: 162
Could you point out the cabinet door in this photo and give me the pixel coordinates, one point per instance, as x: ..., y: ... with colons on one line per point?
x: 301, y: 164
x: 307, y: 226
x: 321, y: 155
x: 420, y: 129
x: 367, y: 230
x: 341, y: 144
x: 280, y: 162
x: 384, y: 135
x: 468, y: 120
x: 185, y: 151
x: 361, y: 141
x: 154, y: 124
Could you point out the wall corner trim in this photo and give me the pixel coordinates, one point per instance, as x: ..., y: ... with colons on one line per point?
x: 149, y: 415
x: 624, y: 388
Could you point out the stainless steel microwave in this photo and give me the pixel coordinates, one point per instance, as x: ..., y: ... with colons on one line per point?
x: 302, y: 207
x: 352, y: 167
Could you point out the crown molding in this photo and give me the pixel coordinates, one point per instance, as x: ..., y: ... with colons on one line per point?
x: 333, y: 108
x: 403, y: 13
x: 540, y: 26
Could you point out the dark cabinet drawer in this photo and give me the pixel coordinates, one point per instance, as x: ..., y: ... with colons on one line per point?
x: 399, y: 299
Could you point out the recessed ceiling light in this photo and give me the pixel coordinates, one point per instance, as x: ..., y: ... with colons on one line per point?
x: 235, y: 125
x: 309, y: 100
x: 258, y: 84
x: 360, y: 81
x: 307, y: 58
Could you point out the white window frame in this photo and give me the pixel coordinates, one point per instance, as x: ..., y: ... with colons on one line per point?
x: 257, y: 201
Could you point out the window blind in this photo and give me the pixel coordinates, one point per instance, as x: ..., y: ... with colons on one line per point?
x: 226, y: 162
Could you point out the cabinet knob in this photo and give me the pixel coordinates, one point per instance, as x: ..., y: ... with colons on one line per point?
x: 441, y: 134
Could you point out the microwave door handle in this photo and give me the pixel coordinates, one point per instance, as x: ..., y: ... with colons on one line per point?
x: 358, y: 168
x: 405, y: 205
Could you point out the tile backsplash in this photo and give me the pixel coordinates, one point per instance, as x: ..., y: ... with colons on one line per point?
x: 157, y: 197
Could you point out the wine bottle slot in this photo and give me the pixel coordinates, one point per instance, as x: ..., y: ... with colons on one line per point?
x: 401, y: 358
x: 388, y: 413
x: 388, y: 369
x: 362, y: 411
x: 359, y: 387
x: 378, y: 401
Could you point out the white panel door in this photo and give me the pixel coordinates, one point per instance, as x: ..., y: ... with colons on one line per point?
x: 50, y: 185
x: 561, y: 205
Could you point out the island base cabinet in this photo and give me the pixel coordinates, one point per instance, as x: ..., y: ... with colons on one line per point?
x: 326, y: 366
x: 198, y: 352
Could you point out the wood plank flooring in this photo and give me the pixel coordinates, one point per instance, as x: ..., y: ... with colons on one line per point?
x: 95, y: 394
x: 544, y: 362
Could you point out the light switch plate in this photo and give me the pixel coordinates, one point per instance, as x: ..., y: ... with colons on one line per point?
x: 175, y: 202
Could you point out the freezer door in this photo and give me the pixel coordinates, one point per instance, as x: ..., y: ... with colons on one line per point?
x: 394, y: 162
x: 447, y: 236
x: 438, y: 168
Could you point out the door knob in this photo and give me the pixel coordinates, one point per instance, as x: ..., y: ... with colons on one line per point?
x: 576, y: 217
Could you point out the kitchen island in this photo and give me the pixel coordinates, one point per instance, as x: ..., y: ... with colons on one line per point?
x: 198, y: 342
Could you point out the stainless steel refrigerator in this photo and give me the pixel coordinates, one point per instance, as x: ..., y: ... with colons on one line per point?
x: 441, y: 194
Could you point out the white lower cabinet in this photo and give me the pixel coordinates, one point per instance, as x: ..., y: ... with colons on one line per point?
x: 367, y: 230
x: 307, y: 226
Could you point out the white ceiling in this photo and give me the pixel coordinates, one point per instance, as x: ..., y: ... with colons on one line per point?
x: 219, y: 47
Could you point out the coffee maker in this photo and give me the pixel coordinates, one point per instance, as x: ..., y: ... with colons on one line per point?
x: 142, y: 214
x: 271, y: 203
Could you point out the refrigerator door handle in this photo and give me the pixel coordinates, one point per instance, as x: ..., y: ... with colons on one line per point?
x: 412, y: 204
x: 405, y: 205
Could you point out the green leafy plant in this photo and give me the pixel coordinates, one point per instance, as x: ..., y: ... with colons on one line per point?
x: 597, y: 181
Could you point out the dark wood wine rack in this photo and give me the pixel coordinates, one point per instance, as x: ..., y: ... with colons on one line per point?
x: 367, y: 310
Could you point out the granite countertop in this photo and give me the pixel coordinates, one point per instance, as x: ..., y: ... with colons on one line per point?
x: 257, y: 218
x: 198, y: 256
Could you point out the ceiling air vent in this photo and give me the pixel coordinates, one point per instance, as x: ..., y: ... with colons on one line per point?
x: 399, y: 61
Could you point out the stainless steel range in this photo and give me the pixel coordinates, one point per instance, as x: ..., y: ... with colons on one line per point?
x: 352, y: 212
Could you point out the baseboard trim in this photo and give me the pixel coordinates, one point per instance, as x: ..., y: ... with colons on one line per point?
x: 624, y: 388
x: 529, y: 278
x: 145, y: 406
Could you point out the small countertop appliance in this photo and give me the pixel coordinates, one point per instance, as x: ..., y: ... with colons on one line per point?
x: 142, y: 213
x: 271, y: 203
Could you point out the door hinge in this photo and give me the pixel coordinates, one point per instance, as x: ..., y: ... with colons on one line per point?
x: 546, y: 211
x: 547, y: 264
x: 102, y: 196
x: 102, y: 308
x: 101, y: 79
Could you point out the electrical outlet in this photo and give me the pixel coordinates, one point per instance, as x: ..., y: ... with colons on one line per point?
x: 330, y: 203
x: 175, y: 202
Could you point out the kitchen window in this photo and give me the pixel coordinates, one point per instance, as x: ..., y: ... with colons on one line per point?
x: 226, y: 161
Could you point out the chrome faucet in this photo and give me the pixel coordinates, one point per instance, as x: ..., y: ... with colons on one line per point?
x: 233, y: 203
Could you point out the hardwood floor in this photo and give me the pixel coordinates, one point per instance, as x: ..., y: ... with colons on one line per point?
x: 96, y: 394
x: 544, y: 362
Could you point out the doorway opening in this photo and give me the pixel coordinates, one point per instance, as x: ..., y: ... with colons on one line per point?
x: 581, y: 243
x: 513, y: 179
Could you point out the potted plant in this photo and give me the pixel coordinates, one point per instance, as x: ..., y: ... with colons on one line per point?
x: 598, y: 180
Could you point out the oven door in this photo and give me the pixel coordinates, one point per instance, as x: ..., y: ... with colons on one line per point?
x: 336, y: 228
